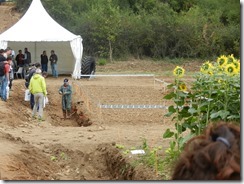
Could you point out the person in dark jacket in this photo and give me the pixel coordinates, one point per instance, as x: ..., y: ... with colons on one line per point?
x: 2, y: 58
x: 27, y: 57
x: 20, y: 59
x: 27, y: 61
x: 54, y: 59
x: 44, y: 61
x: 4, y: 54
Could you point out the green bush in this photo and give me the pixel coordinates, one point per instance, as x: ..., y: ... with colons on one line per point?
x: 102, y: 62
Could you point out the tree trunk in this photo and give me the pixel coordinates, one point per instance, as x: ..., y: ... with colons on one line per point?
x: 110, y: 51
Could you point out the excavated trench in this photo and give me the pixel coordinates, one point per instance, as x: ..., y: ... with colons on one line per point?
x: 34, y: 159
x: 56, y: 162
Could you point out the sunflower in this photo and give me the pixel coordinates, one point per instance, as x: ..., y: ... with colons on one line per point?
x: 230, y: 69
x: 210, y: 72
x: 182, y: 87
x: 230, y: 59
x: 237, y: 65
x: 206, y: 67
x: 179, y: 71
x: 222, y: 60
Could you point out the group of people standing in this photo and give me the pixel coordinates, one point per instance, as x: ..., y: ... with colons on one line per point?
x: 6, y: 72
x: 24, y: 60
x: 34, y: 75
x: 37, y: 86
x: 53, y: 59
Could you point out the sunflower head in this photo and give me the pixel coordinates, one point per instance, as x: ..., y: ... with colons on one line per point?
x: 237, y: 65
x: 222, y: 60
x: 179, y: 71
x: 182, y: 87
x: 230, y: 59
x: 231, y: 70
x: 210, y: 72
x: 206, y: 67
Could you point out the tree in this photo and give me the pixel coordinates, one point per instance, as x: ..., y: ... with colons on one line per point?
x: 107, y: 20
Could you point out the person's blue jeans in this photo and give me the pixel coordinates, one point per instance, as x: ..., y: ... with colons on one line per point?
x: 44, y: 67
x: 32, y: 101
x: 4, y: 90
x: 1, y: 84
x: 54, y: 70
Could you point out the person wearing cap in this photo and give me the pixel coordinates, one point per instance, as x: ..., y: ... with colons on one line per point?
x: 66, y: 91
x: 37, y: 87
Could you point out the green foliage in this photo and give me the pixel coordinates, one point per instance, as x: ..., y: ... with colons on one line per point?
x: 150, y: 28
x: 213, y: 96
x: 22, y: 5
x: 61, y: 11
x: 181, y: 5
x: 119, y: 146
x: 53, y: 158
x: 102, y: 62
x: 58, y: 157
x: 152, y: 157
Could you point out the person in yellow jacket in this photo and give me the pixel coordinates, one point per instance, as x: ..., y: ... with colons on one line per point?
x: 37, y: 87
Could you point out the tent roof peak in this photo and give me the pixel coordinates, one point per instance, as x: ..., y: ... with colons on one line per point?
x: 37, y: 25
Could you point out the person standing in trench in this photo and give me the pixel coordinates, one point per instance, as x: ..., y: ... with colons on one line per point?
x: 66, y: 91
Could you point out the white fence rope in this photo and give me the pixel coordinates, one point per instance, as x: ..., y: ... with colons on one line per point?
x: 164, y: 84
x: 119, y: 75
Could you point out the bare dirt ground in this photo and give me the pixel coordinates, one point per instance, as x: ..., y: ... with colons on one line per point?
x: 58, y: 149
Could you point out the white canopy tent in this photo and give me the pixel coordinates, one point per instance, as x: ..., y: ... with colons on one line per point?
x: 37, y: 31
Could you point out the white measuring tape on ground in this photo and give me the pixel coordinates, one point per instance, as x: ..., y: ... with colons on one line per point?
x: 121, y: 106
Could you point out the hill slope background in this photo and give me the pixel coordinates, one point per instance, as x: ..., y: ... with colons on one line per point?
x: 8, y: 16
